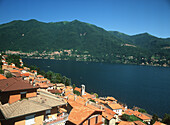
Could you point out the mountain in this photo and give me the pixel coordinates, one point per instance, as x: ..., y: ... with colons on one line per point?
x: 108, y: 46
x: 33, y: 35
x: 144, y: 40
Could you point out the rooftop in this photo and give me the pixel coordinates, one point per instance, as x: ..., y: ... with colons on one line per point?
x: 2, y: 77
x: 13, y: 84
x: 43, y: 101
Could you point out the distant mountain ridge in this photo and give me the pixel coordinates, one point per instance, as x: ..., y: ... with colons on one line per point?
x: 33, y: 35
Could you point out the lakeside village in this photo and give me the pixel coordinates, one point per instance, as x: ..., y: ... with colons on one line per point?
x: 154, y: 60
x: 27, y: 98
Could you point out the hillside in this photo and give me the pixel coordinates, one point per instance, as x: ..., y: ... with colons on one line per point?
x: 102, y: 45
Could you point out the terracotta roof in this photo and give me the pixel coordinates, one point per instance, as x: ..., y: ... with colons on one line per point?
x: 41, y: 85
x: 60, y: 85
x: 49, y: 84
x: 88, y: 95
x: 141, y: 116
x: 129, y: 112
x: 158, y: 123
x: 111, y: 98
x: 12, y: 84
x: 81, y: 109
x: 78, y: 89
x: 55, y: 91
x: 139, y: 123
x: 68, y: 93
x: 13, y: 71
x: 126, y: 123
x: 79, y: 112
x: 115, y: 106
x: 2, y: 77
x: 100, y: 101
x: 25, y: 74
x: 39, y: 76
x: 108, y: 113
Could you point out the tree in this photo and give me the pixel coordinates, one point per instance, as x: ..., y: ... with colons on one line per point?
x: 58, y: 77
x: 76, y: 92
x: 49, y: 75
x: 1, y: 71
x: 142, y: 110
x: 96, y: 95
x: 154, y: 119
x: 64, y: 79
x: 68, y: 82
x: 125, y: 117
x: 166, y: 119
x: 74, y: 86
x: 8, y: 75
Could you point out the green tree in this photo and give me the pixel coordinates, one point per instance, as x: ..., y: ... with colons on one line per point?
x: 142, y: 110
x: 154, y: 119
x: 96, y: 95
x: 166, y: 119
x: 1, y: 71
x: 76, y: 92
x: 49, y: 75
x: 74, y: 86
x: 125, y: 117
x: 58, y: 77
x: 8, y: 75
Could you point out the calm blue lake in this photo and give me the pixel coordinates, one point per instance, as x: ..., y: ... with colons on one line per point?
x: 143, y: 86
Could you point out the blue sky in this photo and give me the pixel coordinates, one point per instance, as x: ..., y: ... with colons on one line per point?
x: 127, y: 16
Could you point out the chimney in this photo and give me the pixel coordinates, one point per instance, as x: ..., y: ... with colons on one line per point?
x: 86, y: 103
x: 101, y: 108
x: 75, y: 97
x: 82, y: 89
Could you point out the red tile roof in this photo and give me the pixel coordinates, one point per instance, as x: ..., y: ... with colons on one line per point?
x: 158, y: 123
x: 139, y: 123
x: 126, y: 123
x: 111, y: 98
x: 55, y: 91
x: 79, y: 113
x: 115, y: 106
x: 39, y: 76
x: 141, y: 116
x: 78, y: 89
x: 25, y: 74
x: 13, y: 84
x: 129, y: 112
x: 108, y: 113
x: 2, y: 77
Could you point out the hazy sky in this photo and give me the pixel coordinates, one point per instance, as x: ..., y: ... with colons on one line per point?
x: 127, y: 16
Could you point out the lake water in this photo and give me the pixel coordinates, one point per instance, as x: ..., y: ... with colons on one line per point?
x: 143, y: 86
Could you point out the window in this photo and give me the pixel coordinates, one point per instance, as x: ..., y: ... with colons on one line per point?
x: 47, y: 111
x: 23, y: 95
x: 88, y: 121
x: 96, y: 119
x: 29, y: 120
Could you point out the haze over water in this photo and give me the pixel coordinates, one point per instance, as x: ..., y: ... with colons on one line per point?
x: 143, y: 86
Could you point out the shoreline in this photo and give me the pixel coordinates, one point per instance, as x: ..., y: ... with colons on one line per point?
x: 95, y: 62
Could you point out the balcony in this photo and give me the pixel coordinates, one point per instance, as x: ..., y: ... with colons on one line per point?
x: 56, y: 120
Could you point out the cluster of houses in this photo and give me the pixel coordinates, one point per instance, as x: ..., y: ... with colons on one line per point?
x: 30, y: 99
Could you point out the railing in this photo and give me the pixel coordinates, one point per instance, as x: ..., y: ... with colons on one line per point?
x: 56, y: 120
